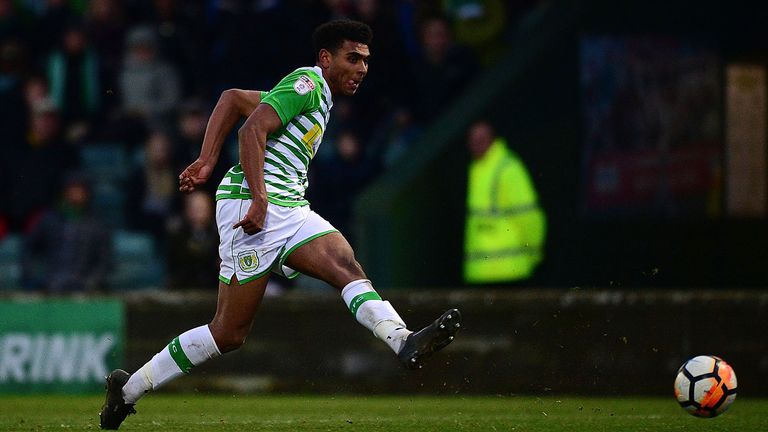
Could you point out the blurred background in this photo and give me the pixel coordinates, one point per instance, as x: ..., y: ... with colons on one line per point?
x: 586, y: 180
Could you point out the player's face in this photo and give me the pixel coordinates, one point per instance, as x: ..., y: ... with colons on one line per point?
x: 347, y: 67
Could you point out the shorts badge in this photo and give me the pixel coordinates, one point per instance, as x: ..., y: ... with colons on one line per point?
x: 248, y: 261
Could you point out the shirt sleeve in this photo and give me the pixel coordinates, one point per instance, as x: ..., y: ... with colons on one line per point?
x: 295, y: 94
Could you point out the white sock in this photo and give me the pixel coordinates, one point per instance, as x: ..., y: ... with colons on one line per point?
x: 392, y: 333
x: 189, y: 349
x: 375, y: 314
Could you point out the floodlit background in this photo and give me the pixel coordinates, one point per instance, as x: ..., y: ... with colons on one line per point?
x: 640, y: 127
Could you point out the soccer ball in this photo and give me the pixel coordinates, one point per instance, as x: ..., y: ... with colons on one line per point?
x: 705, y: 386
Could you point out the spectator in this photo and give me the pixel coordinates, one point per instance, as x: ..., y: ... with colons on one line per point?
x: 232, y: 30
x: 179, y: 42
x: 39, y: 165
x: 405, y: 12
x: 338, y: 9
x: 189, y: 133
x: 69, y: 250
x: 192, y: 254
x: 381, y: 91
x: 441, y: 72
x: 151, y: 53
x: 343, y: 120
x: 52, y: 19
x: 35, y: 90
x: 338, y: 181
x: 480, y: 25
x: 11, y: 21
x: 13, y: 121
x: 105, y: 24
x: 393, y: 137
x: 190, y: 129
x: 149, y: 86
x: 3, y: 225
x: 505, y: 226
x: 152, y: 188
x: 73, y: 74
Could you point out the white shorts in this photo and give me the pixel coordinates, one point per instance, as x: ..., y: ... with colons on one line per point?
x: 251, y: 256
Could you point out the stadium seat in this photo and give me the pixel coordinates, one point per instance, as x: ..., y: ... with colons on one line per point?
x: 137, y: 264
x: 104, y: 161
x: 108, y: 202
x: 10, y: 262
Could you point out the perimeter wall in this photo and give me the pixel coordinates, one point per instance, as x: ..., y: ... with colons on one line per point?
x: 527, y: 341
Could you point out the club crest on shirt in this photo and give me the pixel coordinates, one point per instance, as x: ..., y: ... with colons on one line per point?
x: 248, y: 261
x: 303, y: 85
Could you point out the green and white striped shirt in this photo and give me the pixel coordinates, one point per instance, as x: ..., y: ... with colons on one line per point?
x: 303, y: 101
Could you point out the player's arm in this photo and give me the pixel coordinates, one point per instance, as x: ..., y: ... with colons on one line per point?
x: 253, y: 144
x: 231, y: 106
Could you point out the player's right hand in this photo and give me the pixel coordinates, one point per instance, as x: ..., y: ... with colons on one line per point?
x: 253, y: 222
x: 194, y: 175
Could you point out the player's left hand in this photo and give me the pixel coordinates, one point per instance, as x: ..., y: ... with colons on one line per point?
x: 194, y: 175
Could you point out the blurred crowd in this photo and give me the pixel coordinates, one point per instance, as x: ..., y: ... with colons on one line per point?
x: 104, y: 102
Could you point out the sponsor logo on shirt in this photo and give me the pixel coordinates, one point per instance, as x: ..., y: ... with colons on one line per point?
x: 303, y: 85
x: 312, y: 136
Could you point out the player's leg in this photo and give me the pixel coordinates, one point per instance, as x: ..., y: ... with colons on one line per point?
x: 235, y: 309
x: 331, y: 259
x: 241, y: 260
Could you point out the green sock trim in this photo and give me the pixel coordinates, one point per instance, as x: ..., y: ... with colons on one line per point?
x: 179, y: 356
x: 358, y: 300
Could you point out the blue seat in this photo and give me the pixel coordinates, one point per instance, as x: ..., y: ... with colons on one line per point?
x: 137, y: 264
x: 104, y: 161
x: 108, y: 202
x: 10, y: 262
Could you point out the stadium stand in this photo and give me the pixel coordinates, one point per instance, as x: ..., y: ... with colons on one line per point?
x: 106, y: 165
x: 106, y: 141
x: 10, y: 263
x: 137, y: 264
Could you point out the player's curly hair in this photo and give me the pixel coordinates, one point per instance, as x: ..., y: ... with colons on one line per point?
x: 331, y: 35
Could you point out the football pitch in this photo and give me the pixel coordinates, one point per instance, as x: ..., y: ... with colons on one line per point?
x: 196, y: 412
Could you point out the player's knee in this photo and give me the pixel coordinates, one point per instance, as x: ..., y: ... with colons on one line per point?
x: 230, y: 343
x: 348, y: 266
x: 228, y: 339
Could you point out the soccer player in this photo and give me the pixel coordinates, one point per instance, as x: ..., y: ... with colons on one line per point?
x: 266, y: 225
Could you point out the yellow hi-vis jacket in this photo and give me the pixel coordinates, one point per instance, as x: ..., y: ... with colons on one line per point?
x: 505, y: 228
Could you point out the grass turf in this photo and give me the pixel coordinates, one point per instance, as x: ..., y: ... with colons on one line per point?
x: 195, y: 412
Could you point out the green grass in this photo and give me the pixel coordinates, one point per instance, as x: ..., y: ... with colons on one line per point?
x: 194, y: 412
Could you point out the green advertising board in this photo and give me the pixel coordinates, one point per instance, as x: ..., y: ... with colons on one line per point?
x: 59, y: 345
